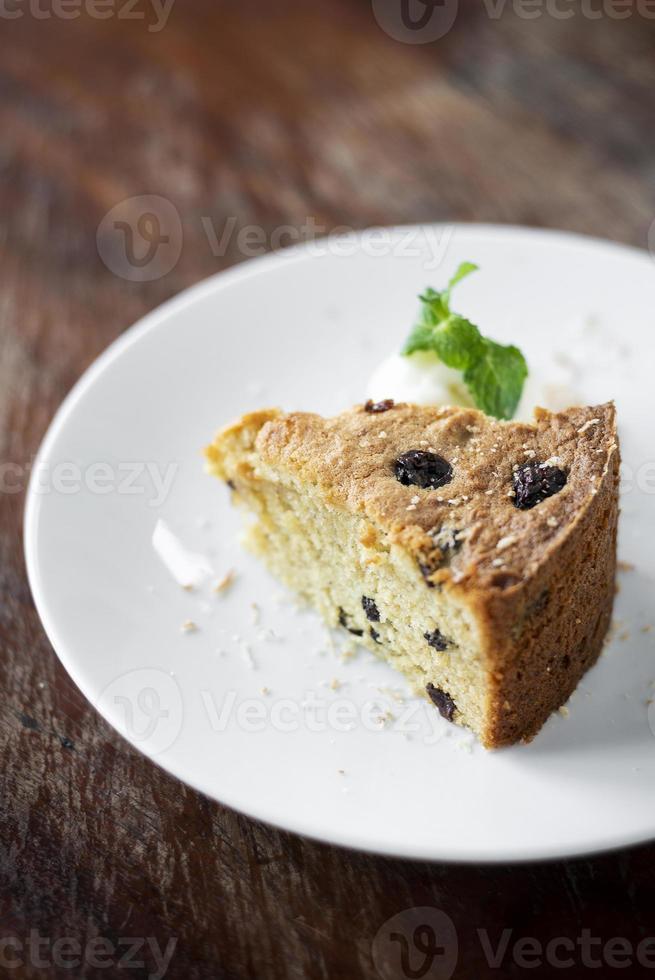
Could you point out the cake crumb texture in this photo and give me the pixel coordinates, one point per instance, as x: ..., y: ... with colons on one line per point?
x: 476, y: 556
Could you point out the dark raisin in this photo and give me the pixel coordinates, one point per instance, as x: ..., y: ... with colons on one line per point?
x: 231, y: 484
x: 427, y: 571
x: 376, y: 407
x: 371, y: 610
x: 443, y: 701
x: 437, y: 640
x: 417, y: 468
x: 534, y: 482
x: 374, y: 635
x: 66, y: 742
x: 343, y: 621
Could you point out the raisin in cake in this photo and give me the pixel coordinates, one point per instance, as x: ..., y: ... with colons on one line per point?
x: 476, y: 556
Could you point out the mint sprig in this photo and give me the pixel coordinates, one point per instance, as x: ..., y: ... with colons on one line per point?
x: 494, y: 374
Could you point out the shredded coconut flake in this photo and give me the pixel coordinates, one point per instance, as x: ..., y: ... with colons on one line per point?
x: 588, y: 424
x: 226, y: 582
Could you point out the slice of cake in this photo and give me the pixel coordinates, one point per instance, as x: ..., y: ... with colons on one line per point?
x: 475, y: 556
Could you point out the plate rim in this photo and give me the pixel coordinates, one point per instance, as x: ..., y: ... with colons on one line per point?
x: 150, y: 322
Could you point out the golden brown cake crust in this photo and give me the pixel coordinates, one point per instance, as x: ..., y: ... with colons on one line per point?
x: 539, y: 581
x: 352, y: 456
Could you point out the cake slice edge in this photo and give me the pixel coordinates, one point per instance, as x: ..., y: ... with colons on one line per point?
x: 496, y: 659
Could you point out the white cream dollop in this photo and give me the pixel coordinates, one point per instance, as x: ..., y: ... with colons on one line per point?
x: 422, y: 379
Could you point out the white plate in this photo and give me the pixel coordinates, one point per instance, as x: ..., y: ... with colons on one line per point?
x: 303, y: 329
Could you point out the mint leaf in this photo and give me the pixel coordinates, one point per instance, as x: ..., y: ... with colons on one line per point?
x: 457, y: 342
x: 421, y: 338
x: 493, y: 374
x: 455, y: 338
x: 434, y: 308
x: 465, y: 269
x: 496, y: 378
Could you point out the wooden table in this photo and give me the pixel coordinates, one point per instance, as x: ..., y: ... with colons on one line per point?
x: 264, y: 114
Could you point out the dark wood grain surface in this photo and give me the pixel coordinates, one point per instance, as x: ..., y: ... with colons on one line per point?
x: 265, y: 114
